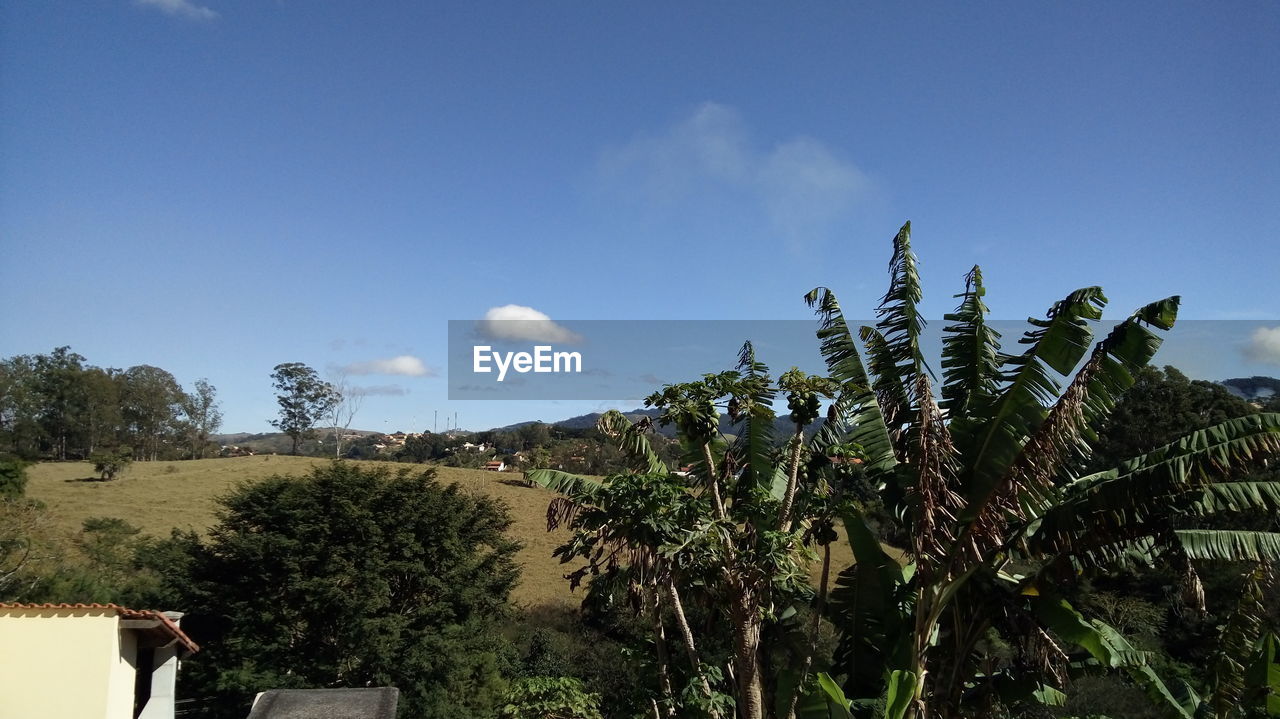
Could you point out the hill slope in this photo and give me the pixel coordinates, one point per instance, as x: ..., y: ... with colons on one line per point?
x: 159, y: 496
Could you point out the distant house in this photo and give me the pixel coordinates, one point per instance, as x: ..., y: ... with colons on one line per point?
x: 495, y: 466
x: 89, y: 661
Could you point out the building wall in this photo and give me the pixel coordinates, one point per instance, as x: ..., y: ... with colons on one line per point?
x: 65, y: 665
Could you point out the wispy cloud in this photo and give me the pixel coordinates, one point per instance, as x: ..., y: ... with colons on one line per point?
x: 801, y: 185
x: 406, y: 365
x: 1264, y: 346
x: 517, y: 322
x: 179, y: 8
x: 380, y: 390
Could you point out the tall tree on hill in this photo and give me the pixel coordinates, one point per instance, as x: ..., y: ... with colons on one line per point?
x: 61, y: 399
x: 202, y: 417
x: 19, y: 428
x: 344, y: 410
x: 103, y: 418
x: 150, y: 399
x: 304, y: 400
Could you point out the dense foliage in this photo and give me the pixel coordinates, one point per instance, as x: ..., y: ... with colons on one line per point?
x: 352, y: 577
x: 56, y: 406
x: 1056, y: 531
x: 988, y: 491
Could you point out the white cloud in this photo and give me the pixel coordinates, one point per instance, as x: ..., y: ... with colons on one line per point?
x: 406, y: 365
x: 1264, y: 346
x: 801, y: 186
x: 517, y: 322
x: 180, y: 8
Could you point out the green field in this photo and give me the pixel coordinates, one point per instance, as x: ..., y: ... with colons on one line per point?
x: 159, y: 496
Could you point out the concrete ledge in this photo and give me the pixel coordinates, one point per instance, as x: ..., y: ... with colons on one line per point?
x: 376, y: 703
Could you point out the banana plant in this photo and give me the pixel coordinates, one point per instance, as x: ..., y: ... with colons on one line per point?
x: 980, y: 474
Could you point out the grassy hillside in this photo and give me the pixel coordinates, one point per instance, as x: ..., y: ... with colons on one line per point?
x: 159, y: 496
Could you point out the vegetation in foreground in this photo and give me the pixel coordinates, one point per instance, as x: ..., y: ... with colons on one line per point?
x: 988, y: 491
x: 1061, y: 558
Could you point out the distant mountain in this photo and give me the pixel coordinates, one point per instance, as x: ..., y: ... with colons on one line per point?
x: 587, y: 421
x: 782, y: 425
x: 1253, y: 388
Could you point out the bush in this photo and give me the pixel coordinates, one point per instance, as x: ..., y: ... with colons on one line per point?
x: 352, y: 577
x: 109, y: 464
x: 13, y: 478
x: 550, y: 698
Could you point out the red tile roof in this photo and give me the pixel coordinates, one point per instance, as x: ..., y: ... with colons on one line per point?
x: 167, y: 625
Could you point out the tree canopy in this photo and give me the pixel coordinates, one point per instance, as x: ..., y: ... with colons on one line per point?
x: 352, y: 576
x: 304, y: 400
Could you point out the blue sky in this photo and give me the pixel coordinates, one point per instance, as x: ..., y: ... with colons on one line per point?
x: 215, y: 187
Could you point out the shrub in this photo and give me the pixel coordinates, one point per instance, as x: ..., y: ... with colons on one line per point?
x: 109, y: 464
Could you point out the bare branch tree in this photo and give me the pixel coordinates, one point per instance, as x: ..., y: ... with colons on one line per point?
x: 344, y: 411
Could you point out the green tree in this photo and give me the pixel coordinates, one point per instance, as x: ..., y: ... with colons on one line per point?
x: 61, y: 400
x: 19, y: 426
x: 1161, y: 406
x: 735, y: 532
x: 151, y: 399
x: 353, y: 577
x: 550, y: 698
x: 104, y: 416
x: 201, y: 416
x: 304, y: 400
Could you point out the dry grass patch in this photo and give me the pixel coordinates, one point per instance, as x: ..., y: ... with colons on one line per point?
x: 160, y: 496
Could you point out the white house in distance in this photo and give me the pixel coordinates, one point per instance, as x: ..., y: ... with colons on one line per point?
x: 89, y: 661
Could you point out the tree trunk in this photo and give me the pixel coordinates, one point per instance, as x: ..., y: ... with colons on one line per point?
x: 660, y: 648
x: 793, y: 476
x: 819, y: 604
x: 686, y: 635
x: 746, y: 624
x: 926, y: 618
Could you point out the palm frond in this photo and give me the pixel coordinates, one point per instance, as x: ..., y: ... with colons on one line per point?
x: 858, y: 409
x: 1110, y: 371
x: 577, y: 488
x: 1031, y: 381
x: 871, y: 604
x: 1106, y: 646
x: 1243, y: 628
x: 753, y: 411
x: 631, y: 440
x: 970, y: 351
x: 899, y: 318
x: 892, y: 394
x: 1234, y: 545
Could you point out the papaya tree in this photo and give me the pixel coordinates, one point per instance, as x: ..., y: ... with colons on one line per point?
x: 736, y: 529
